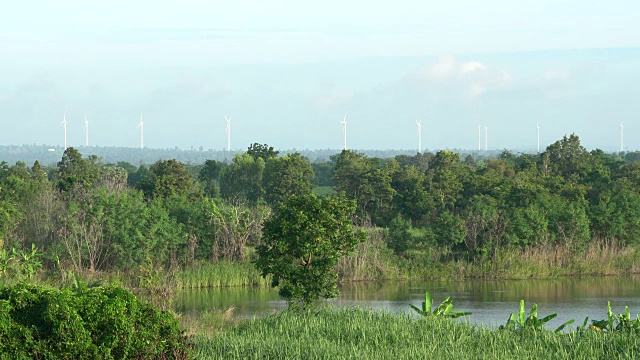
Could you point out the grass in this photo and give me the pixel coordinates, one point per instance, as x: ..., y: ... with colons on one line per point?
x: 364, y: 334
x: 373, y: 261
x: 220, y: 274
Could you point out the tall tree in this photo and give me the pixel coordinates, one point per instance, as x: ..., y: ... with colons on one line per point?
x: 302, y: 243
x: 285, y: 177
x: 242, y: 179
x: 166, y: 178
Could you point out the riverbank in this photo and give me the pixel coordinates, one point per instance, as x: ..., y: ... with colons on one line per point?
x: 364, y: 334
x: 373, y: 261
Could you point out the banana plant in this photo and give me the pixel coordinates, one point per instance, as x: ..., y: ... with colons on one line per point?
x: 613, y: 322
x: 522, y: 321
x: 445, y: 309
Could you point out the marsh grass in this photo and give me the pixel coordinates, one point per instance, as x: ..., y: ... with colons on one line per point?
x: 373, y: 261
x: 208, y: 322
x: 220, y: 274
x: 364, y: 334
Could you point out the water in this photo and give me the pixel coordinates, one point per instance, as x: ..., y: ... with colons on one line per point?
x: 490, y: 301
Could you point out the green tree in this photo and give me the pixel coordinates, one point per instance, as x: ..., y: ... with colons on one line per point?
x: 166, y: 178
x: 567, y: 157
x: 262, y: 151
x: 363, y: 179
x: 286, y: 176
x: 302, y: 243
x: 209, y: 177
x: 242, y: 179
x: 73, y: 169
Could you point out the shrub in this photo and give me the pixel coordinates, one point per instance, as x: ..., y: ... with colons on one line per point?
x: 108, y: 322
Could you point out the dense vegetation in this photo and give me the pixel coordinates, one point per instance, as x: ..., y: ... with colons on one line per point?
x: 85, y: 323
x: 565, y: 210
x: 364, y: 334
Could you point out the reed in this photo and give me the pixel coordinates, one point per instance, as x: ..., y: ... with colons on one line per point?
x: 373, y: 261
x: 220, y: 274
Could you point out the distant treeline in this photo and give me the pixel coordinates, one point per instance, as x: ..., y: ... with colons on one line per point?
x: 84, y: 214
x: 43, y: 154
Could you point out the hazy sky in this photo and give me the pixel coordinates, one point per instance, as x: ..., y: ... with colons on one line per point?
x: 286, y: 72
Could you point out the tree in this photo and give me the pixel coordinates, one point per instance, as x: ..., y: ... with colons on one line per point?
x: 73, y: 169
x: 262, y: 151
x: 209, y: 177
x: 166, y: 178
x: 302, y: 244
x: 286, y: 176
x: 242, y: 179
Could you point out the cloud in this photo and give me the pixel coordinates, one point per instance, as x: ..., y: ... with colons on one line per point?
x: 471, y: 79
x: 332, y: 99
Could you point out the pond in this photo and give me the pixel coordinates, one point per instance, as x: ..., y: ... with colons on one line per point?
x: 490, y: 301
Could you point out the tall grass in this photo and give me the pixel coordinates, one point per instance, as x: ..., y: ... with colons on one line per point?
x: 373, y: 261
x: 364, y: 334
x: 220, y: 274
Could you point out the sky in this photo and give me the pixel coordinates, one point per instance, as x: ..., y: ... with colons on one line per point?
x: 286, y: 72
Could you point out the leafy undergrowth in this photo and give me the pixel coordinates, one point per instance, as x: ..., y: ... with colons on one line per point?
x: 38, y: 322
x: 364, y: 334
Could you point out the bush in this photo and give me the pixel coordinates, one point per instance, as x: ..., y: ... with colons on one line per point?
x: 109, y: 322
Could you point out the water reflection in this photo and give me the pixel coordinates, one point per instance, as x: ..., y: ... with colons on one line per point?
x: 491, y: 301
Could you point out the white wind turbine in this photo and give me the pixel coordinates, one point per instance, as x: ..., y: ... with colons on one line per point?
x: 86, y: 131
x: 479, y: 146
x: 64, y: 124
x: 228, y: 132
x: 419, y: 136
x: 621, y: 137
x: 141, y: 126
x: 344, y: 129
x: 538, y: 127
x: 486, y: 137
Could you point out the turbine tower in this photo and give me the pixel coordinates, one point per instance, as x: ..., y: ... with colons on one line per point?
x: 621, y: 137
x: 419, y: 136
x: 141, y: 126
x: 86, y: 131
x: 228, y: 133
x: 479, y: 147
x: 344, y: 129
x: 486, y: 130
x: 64, y: 124
x: 538, y: 127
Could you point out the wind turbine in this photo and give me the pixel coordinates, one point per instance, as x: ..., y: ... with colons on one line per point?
x: 141, y: 126
x: 479, y: 148
x: 419, y: 136
x: 344, y: 129
x: 228, y: 133
x: 538, y: 127
x: 86, y: 131
x: 64, y: 124
x: 486, y: 130
x: 621, y: 137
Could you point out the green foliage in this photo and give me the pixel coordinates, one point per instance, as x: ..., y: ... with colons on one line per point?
x: 302, y: 243
x: 285, y: 177
x: 524, y: 322
x: 399, y: 235
x: 87, y: 323
x: 73, y: 169
x: 18, y: 265
x: 617, y: 323
x: 209, y: 177
x: 242, y: 179
x: 445, y: 309
x: 166, y: 178
x: 261, y: 151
